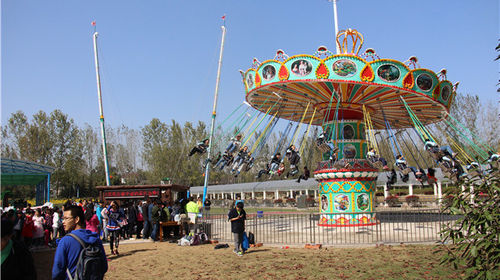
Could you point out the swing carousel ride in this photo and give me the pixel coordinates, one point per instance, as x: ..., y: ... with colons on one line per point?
x: 349, y: 95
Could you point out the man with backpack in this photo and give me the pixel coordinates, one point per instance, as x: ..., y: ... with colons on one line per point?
x: 80, y: 254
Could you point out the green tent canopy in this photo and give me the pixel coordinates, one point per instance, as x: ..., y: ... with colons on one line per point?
x: 25, y: 173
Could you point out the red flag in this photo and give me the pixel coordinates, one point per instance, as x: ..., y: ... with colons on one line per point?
x: 93, y: 23
x: 223, y: 17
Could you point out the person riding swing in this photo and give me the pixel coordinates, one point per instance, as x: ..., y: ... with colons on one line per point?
x: 403, y: 167
x: 200, y: 148
x: 227, y: 157
x: 293, y: 157
x: 378, y: 161
x: 272, y: 167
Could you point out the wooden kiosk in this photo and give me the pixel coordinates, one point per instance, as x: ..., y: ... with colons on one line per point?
x: 166, y: 193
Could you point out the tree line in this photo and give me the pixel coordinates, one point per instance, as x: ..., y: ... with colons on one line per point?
x: 159, y: 149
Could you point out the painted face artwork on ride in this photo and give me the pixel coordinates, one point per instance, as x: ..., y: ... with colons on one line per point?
x: 250, y: 81
x: 424, y: 82
x: 301, y: 68
x: 324, y: 203
x: 344, y: 68
x: 349, y: 151
x: 388, y: 73
x: 445, y: 93
x: 269, y: 72
x: 348, y: 132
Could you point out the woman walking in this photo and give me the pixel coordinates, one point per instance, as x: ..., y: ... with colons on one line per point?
x: 115, y: 218
x: 38, y: 232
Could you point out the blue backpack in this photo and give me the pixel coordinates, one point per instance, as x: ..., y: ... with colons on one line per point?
x: 91, y: 264
x: 245, y: 244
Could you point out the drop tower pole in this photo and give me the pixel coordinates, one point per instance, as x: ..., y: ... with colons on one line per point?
x: 336, y: 25
x: 207, y: 168
x: 101, y: 114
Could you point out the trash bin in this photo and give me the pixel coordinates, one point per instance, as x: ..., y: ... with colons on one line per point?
x: 260, y: 214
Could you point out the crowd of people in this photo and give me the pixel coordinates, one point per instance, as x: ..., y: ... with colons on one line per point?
x: 35, y: 227
x: 31, y: 228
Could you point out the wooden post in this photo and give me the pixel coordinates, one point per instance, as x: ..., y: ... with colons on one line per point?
x: 410, y: 189
x: 264, y: 195
x: 435, y: 189
x: 253, y: 195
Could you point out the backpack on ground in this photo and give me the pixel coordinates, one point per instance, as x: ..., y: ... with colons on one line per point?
x: 203, y: 237
x: 195, y: 240
x: 184, y: 241
x: 221, y: 246
x: 245, y: 244
x: 91, y: 264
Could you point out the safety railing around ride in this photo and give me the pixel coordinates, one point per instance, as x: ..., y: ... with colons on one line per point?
x: 409, y: 226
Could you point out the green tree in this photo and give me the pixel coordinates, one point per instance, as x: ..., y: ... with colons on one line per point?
x: 472, y: 240
x: 155, y: 138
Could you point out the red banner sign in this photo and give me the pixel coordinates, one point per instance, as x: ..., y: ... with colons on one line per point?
x: 132, y: 193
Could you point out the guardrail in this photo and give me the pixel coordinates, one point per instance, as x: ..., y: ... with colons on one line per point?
x: 409, y: 226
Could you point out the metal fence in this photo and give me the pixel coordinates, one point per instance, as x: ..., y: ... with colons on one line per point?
x: 409, y: 226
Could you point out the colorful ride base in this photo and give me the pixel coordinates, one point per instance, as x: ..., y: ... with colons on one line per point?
x: 346, y: 194
x: 333, y: 90
x: 347, y: 186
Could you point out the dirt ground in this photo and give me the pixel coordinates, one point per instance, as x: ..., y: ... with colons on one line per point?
x: 162, y: 260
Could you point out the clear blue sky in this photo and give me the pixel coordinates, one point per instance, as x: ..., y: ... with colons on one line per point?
x: 159, y: 58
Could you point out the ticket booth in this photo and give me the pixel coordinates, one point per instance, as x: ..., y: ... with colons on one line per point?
x: 167, y: 193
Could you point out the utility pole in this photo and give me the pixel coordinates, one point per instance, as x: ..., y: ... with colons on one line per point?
x: 214, y: 113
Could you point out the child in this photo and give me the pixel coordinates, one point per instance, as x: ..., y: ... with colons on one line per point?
x: 281, y: 169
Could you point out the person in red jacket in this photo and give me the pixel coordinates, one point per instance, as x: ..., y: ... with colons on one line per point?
x: 28, y: 228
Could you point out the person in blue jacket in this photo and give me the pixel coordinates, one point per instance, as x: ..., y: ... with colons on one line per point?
x: 116, y: 218
x: 69, y: 248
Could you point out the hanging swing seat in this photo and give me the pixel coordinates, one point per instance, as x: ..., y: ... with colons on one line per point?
x: 377, y: 164
x: 324, y: 148
x: 405, y: 171
x: 436, y: 155
x: 445, y: 166
x: 475, y: 173
x: 341, y: 164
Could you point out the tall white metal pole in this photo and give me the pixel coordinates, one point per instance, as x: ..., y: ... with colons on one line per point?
x: 101, y: 114
x: 336, y: 25
x: 207, y: 168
